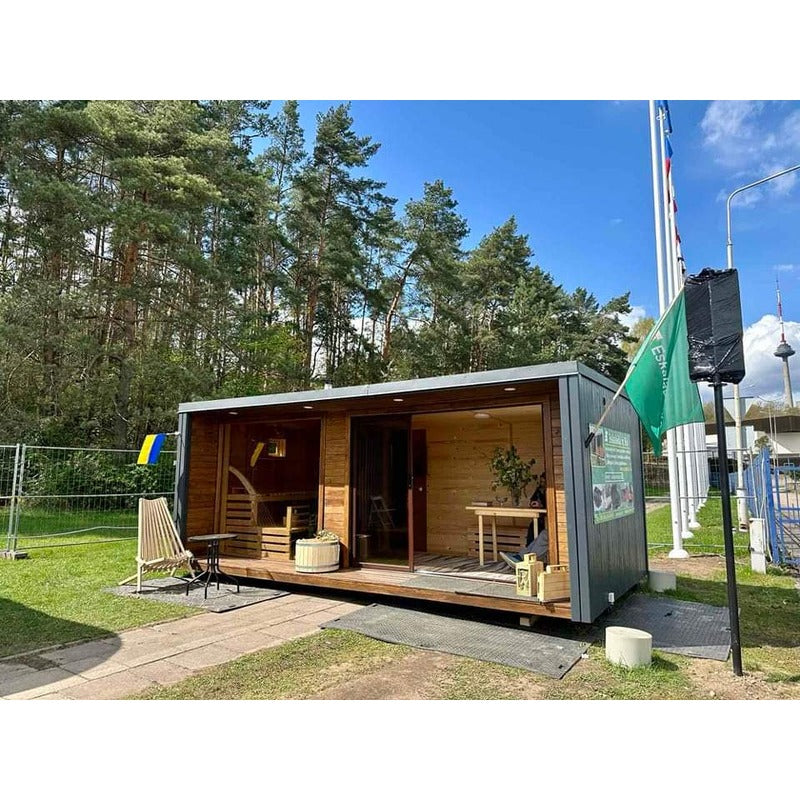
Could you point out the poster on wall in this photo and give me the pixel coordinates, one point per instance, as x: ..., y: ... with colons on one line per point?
x: 612, y: 474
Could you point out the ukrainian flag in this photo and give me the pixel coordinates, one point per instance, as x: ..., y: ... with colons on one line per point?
x: 151, y: 448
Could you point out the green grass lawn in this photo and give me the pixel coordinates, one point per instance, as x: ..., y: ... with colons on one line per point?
x: 38, y: 527
x: 770, y: 633
x: 55, y: 596
x: 707, y: 539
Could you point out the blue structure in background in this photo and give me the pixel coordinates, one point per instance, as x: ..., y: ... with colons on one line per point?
x: 768, y: 499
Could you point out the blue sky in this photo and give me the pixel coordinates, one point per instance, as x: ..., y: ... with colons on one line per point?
x: 577, y: 177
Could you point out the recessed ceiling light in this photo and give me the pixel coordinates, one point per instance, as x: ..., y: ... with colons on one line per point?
x: 233, y: 413
x: 398, y: 399
x: 509, y: 388
x: 308, y: 406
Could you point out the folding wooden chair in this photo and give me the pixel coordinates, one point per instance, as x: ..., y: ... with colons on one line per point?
x: 160, y: 548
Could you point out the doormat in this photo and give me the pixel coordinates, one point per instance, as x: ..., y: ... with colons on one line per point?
x: 536, y: 652
x: 173, y: 590
x: 677, y: 626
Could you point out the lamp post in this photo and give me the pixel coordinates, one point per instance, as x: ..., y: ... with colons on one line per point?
x: 741, y: 505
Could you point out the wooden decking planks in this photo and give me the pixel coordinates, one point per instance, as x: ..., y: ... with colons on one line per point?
x: 385, y: 582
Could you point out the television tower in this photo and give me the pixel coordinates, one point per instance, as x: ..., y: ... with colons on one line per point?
x: 783, y: 351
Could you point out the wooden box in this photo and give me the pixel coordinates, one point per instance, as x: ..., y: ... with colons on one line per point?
x: 553, y: 583
x: 528, y: 571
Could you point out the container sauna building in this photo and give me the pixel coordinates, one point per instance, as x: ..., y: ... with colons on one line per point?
x: 400, y: 472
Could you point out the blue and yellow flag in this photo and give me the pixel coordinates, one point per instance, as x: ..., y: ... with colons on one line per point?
x: 151, y: 448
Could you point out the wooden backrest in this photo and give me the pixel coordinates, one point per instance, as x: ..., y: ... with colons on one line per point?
x: 158, y: 537
x: 380, y: 512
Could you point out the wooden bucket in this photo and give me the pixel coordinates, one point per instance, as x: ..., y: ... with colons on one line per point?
x: 313, y: 556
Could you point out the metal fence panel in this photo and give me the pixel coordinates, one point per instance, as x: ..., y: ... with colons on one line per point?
x: 74, y: 495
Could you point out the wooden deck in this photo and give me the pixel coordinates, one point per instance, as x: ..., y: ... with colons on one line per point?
x: 385, y: 582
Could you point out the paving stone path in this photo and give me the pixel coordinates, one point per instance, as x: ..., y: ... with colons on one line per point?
x: 163, y: 653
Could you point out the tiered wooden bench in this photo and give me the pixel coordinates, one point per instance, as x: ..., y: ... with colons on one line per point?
x: 251, y: 515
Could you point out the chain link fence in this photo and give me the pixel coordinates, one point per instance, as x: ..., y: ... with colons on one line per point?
x: 57, y: 496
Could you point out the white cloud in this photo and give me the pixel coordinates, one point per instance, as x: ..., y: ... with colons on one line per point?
x: 787, y: 267
x: 616, y: 221
x: 630, y: 319
x: 764, y: 371
x: 746, y: 139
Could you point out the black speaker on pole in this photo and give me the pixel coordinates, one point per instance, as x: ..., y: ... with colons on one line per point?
x: 714, y: 326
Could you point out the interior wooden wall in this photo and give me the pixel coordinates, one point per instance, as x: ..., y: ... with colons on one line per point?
x: 202, y: 479
x: 556, y: 498
x: 459, y: 452
x: 298, y: 470
x: 335, y: 488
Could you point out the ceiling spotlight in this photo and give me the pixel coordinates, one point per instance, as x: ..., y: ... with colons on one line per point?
x: 308, y: 406
x: 398, y: 399
x: 233, y: 413
x: 509, y: 388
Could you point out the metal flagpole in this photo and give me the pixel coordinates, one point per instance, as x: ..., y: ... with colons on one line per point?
x: 663, y: 297
x: 684, y: 434
x: 674, y: 442
x: 680, y: 439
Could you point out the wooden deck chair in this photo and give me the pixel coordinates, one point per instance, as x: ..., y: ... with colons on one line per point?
x: 379, y: 513
x: 160, y: 548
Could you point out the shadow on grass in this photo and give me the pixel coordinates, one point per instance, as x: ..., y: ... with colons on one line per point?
x: 769, y: 615
x: 21, y: 672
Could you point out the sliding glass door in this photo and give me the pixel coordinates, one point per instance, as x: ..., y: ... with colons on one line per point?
x: 380, y: 490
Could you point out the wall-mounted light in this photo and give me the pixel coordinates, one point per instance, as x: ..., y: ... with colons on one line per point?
x: 509, y: 388
x: 308, y: 407
x: 397, y: 399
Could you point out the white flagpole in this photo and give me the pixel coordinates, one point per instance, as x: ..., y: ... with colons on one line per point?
x: 680, y: 440
x: 678, y: 550
x: 685, y: 433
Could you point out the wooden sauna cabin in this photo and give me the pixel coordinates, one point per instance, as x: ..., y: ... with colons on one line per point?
x: 400, y: 472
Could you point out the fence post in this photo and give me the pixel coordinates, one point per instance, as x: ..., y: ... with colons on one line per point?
x: 11, y: 551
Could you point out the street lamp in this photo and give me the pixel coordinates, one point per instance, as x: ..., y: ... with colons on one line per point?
x: 741, y: 505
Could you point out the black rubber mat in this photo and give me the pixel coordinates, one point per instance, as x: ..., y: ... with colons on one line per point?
x: 172, y: 590
x: 536, y: 652
x: 677, y: 626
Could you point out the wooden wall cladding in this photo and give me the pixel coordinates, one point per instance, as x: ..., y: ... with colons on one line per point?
x: 459, y: 450
x: 202, y: 480
x: 555, y: 488
x: 336, y: 477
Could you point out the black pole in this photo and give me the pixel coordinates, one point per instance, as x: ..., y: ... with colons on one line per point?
x: 727, y: 529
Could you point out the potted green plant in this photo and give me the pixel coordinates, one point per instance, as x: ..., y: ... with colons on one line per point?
x: 320, y: 553
x: 511, y: 471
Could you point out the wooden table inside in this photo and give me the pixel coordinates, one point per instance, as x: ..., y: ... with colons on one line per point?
x: 511, y: 512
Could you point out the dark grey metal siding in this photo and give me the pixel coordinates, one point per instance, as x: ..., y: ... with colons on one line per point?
x: 611, y: 556
x: 568, y: 391
x: 182, y: 475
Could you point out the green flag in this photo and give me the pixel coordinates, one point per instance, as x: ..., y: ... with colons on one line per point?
x: 658, y: 382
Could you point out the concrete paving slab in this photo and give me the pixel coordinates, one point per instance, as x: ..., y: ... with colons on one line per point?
x: 111, y: 687
x: 202, y: 657
x: 163, y: 673
x: 292, y: 629
x: 91, y: 669
x: 251, y: 642
x: 39, y: 683
x: 98, y: 650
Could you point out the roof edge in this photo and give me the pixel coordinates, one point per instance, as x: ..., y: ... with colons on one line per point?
x: 531, y: 373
